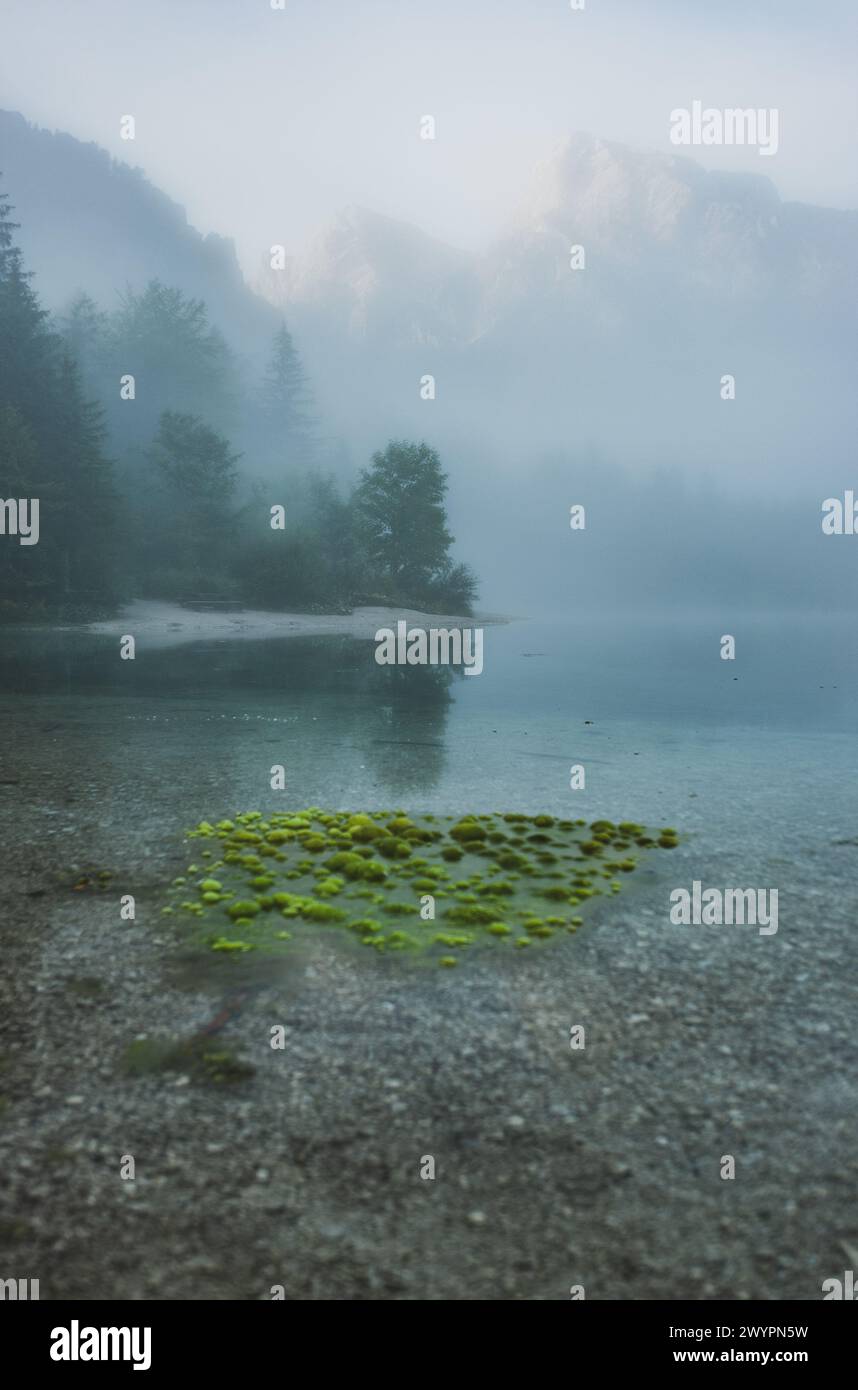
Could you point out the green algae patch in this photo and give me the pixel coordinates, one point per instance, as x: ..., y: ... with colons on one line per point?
x: 372, y: 877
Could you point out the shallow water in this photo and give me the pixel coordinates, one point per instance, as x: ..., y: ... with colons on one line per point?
x: 757, y: 752
x: 699, y: 1042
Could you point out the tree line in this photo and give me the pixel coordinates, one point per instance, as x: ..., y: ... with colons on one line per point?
x: 157, y: 464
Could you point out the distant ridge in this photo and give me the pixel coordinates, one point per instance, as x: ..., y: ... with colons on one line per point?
x: 96, y: 224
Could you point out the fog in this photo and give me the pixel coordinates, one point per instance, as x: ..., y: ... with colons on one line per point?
x: 428, y: 530
x: 264, y: 123
x: 448, y: 258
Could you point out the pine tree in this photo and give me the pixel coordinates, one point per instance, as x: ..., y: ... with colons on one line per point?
x: 179, y: 361
x: 85, y: 496
x: 286, y: 404
x: 28, y: 350
x: 50, y: 449
x: 85, y: 329
x: 194, y: 482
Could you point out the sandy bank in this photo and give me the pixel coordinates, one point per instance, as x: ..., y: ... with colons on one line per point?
x: 168, y: 624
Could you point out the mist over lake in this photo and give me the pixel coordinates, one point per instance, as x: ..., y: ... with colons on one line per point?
x: 428, y: 674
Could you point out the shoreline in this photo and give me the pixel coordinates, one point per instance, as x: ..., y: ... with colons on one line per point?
x: 161, y: 624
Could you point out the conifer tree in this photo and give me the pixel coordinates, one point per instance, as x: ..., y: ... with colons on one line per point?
x: 51, y: 448
x: 286, y: 405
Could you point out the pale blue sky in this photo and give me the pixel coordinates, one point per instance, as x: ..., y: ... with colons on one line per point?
x: 263, y: 123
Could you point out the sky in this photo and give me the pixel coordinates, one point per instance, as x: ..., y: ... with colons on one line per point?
x: 263, y: 123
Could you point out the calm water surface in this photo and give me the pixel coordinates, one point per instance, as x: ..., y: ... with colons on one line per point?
x: 757, y: 753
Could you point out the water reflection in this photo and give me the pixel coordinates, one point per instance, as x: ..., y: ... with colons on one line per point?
x: 406, y: 747
x: 299, y: 690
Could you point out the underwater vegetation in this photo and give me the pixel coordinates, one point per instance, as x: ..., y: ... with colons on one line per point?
x: 201, y: 1059
x: 258, y: 883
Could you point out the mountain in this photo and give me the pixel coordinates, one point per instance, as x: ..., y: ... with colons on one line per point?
x: 725, y: 233
x: 689, y: 276
x: 377, y: 279
x: 554, y: 385
x: 90, y: 222
x: 712, y: 236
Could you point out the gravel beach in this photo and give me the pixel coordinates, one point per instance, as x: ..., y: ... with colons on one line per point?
x: 553, y: 1167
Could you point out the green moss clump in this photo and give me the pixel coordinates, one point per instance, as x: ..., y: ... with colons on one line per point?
x: 324, y: 856
x: 346, y: 863
x: 329, y: 887
x: 245, y: 907
x: 467, y: 831
x: 320, y: 912
x: 373, y: 871
x: 472, y: 914
x: 402, y: 825
x: 509, y: 859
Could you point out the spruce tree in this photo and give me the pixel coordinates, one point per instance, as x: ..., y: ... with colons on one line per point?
x: 86, y: 329
x: 28, y: 350
x: 286, y: 405
x: 193, y: 482
x: 85, y: 515
x: 50, y: 449
x: 180, y: 363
